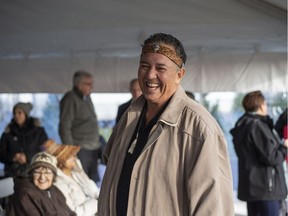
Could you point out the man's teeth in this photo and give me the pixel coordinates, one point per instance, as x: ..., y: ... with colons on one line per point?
x: 152, y: 85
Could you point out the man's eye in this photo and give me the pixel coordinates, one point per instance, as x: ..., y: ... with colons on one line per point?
x: 160, y: 69
x: 144, y: 67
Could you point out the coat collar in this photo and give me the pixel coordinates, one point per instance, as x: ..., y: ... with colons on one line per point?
x: 172, y: 112
x: 79, y: 93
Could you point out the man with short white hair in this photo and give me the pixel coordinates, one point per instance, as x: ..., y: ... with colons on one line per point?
x: 79, y: 124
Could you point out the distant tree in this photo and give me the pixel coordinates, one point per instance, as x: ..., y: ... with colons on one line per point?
x: 213, y: 109
x: 237, y: 104
x: 277, y: 104
x: 50, y: 119
x: 6, y: 108
x: 278, y: 100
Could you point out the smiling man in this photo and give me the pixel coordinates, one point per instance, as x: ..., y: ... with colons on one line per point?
x: 167, y: 155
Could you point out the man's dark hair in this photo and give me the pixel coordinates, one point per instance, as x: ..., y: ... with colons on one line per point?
x: 169, y: 40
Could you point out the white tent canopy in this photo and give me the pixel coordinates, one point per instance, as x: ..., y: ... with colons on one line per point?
x: 231, y: 45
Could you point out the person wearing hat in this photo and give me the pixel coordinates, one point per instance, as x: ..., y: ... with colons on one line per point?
x: 36, y: 195
x: 21, y: 140
x: 80, y: 191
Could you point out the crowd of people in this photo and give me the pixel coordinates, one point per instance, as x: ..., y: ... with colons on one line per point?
x: 166, y: 155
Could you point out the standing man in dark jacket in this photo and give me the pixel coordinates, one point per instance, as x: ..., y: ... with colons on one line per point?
x: 260, y: 158
x: 135, y: 92
x: 21, y: 140
x: 79, y: 123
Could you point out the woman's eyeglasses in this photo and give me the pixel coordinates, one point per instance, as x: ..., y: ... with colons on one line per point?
x: 46, y: 174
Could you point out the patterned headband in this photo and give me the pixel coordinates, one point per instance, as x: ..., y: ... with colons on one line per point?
x: 156, y: 48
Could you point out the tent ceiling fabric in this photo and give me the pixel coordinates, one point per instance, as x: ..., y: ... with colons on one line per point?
x: 231, y: 46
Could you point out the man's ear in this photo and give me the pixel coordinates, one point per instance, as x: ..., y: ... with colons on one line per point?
x: 180, y: 74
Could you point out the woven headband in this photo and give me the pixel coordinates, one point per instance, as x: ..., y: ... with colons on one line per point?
x: 155, y: 48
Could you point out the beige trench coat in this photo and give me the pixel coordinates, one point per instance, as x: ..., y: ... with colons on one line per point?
x: 184, y: 168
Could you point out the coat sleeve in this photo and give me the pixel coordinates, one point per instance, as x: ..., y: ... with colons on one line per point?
x: 88, y: 207
x: 270, y: 152
x: 209, y: 179
x: 61, y: 200
x: 88, y: 185
x: 67, y: 112
x: 6, y: 156
x: 23, y: 205
x: 109, y: 145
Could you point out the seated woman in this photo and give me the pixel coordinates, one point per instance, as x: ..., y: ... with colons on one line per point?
x: 80, y: 191
x: 20, y: 141
x: 37, y: 195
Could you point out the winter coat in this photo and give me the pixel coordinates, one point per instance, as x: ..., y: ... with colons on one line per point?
x: 184, y: 168
x: 121, y: 110
x: 81, y: 193
x: 282, y: 124
x: 28, y: 200
x: 260, y: 159
x: 26, y: 139
x: 78, y: 121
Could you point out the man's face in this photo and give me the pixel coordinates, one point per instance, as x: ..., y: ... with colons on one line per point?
x: 159, y: 77
x: 85, y: 86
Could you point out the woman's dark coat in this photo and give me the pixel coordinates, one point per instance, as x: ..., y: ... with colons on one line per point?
x: 28, y: 200
x: 260, y: 159
x: 26, y: 139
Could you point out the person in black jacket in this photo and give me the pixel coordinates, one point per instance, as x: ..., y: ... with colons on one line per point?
x: 20, y: 141
x: 135, y: 92
x: 281, y: 125
x: 260, y: 158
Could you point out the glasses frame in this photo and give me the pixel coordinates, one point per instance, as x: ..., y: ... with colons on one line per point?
x: 45, y: 174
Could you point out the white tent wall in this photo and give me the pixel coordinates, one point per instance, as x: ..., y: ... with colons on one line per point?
x: 231, y: 45
x: 206, y: 72
x: 239, y: 73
